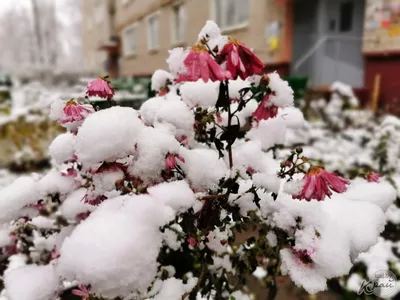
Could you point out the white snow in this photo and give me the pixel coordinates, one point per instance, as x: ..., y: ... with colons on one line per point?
x: 23, y: 191
x: 160, y: 79
x: 31, y: 282
x: 116, y: 247
x: 120, y: 125
x: 62, y: 149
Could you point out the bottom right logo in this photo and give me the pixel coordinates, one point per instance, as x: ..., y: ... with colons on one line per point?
x: 382, y: 284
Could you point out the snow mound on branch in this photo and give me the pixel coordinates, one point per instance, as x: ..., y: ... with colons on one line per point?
x: 210, y: 30
x: 248, y: 155
x: 149, y: 109
x: 23, y: 191
x: 363, y: 221
x: 56, y: 109
x: 332, y: 233
x: 380, y: 193
x: 105, y: 181
x: 203, y: 168
x: 31, y: 282
x: 177, y: 114
x: 62, y: 148
x: 175, y: 61
x: 378, y: 257
x: 152, y: 147
x: 283, y: 92
x: 212, y: 34
x: 173, y: 289
x: 160, y: 79
x: 124, y: 231
x: 200, y: 93
x: 269, y: 132
x: 310, y: 280
x: 53, y: 183
x: 74, y: 205
x: 269, y: 182
x: 108, y: 135
x: 5, y: 238
x: 177, y: 194
x: 235, y: 86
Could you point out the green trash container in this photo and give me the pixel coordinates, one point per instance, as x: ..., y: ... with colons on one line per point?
x: 299, y: 85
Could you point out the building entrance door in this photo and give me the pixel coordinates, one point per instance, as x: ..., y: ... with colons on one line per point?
x: 327, y: 41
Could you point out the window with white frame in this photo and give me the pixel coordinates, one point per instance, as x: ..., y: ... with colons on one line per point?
x: 231, y: 13
x: 129, y: 40
x: 152, y: 31
x: 178, y: 23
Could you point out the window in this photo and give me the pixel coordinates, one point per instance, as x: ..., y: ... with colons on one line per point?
x: 152, y: 31
x: 230, y: 14
x: 346, y: 16
x: 178, y: 23
x: 129, y: 40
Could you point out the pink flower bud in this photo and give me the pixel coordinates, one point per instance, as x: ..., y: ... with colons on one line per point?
x: 101, y: 88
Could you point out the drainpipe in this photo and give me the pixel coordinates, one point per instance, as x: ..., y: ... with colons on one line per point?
x: 320, y: 33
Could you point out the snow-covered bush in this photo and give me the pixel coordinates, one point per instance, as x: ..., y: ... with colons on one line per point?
x: 354, y: 143
x: 147, y: 204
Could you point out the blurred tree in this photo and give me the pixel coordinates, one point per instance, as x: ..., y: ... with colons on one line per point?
x: 41, y: 35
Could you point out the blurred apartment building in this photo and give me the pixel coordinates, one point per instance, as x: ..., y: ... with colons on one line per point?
x: 326, y: 40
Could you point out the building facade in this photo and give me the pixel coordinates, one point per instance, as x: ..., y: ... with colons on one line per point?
x: 99, y: 36
x: 149, y: 28
x: 353, y: 41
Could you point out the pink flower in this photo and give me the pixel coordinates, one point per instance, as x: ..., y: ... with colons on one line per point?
x: 319, y: 183
x: 38, y: 206
x: 74, y: 112
x: 100, y: 87
x: 170, y: 160
x: 183, y: 140
x: 82, y: 216
x: 192, y: 241
x: 240, y: 60
x: 373, y: 177
x: 200, y: 64
x: 82, y: 291
x: 12, y: 248
x: 219, y: 118
x: 54, y: 253
x: 70, y: 172
x: 250, y: 171
x: 265, y: 110
x: 94, y: 200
